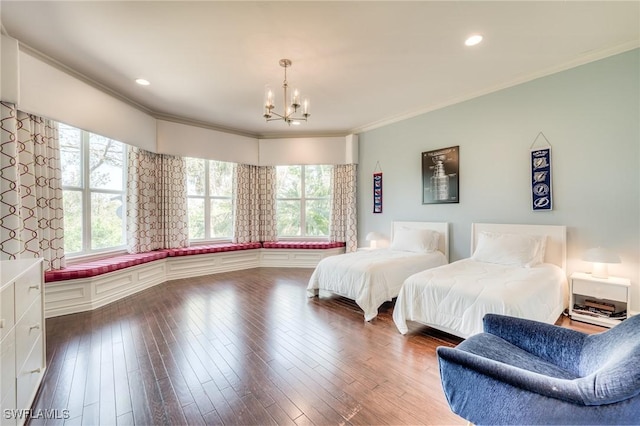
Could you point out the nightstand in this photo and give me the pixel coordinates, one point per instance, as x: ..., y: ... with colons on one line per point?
x: 598, y: 301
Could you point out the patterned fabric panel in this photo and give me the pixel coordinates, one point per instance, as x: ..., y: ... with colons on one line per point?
x: 102, y: 266
x: 303, y: 244
x: 213, y: 248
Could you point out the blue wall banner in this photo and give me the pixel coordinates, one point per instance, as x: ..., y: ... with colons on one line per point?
x: 377, y: 192
x: 541, y: 196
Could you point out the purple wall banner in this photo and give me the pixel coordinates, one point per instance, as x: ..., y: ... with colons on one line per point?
x: 541, y: 195
x: 377, y: 192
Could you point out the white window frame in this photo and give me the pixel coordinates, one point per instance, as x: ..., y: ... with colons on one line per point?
x: 86, y: 191
x: 303, y: 208
x: 207, y: 197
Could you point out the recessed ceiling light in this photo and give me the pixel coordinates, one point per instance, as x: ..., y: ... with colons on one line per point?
x: 295, y: 123
x: 142, y: 82
x: 473, y: 40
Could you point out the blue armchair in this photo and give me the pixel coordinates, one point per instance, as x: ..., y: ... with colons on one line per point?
x: 526, y: 372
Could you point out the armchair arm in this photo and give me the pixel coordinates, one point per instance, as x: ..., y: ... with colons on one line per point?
x: 558, y: 345
x: 562, y: 389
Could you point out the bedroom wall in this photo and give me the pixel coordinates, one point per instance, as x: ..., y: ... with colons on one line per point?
x: 589, y: 114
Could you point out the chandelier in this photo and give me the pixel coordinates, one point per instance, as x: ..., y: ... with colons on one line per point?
x: 289, y: 112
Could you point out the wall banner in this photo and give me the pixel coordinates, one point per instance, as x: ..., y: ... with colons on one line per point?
x: 541, y: 195
x: 377, y: 192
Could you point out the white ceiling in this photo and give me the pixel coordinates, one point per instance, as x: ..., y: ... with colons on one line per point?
x: 362, y: 64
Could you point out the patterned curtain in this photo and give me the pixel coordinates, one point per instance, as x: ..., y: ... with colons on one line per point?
x: 31, y: 217
x: 255, y: 204
x: 173, y: 201
x: 344, y: 222
x: 156, y: 201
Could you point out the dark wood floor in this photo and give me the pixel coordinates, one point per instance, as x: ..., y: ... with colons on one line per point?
x: 243, y: 347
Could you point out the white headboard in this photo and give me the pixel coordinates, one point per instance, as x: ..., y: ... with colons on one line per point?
x: 441, y: 227
x: 556, y: 248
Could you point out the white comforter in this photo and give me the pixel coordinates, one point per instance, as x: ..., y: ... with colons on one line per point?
x: 370, y: 277
x: 455, y: 297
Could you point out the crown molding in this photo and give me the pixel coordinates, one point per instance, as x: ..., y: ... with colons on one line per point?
x: 587, y: 57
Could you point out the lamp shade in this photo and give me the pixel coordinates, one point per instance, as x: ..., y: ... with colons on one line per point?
x: 600, y: 258
x: 600, y: 255
x: 373, y: 236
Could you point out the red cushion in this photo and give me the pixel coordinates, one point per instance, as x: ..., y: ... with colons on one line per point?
x: 102, y: 266
x: 303, y: 244
x: 213, y: 248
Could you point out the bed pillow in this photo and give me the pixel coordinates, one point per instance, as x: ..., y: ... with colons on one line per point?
x: 415, y: 240
x: 539, y: 256
x: 509, y: 249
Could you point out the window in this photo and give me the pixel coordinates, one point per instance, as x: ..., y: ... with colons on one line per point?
x: 303, y: 201
x: 93, y: 188
x: 210, y: 199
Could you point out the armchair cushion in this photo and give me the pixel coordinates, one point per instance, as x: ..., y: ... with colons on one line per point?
x: 521, y: 371
x: 539, y: 339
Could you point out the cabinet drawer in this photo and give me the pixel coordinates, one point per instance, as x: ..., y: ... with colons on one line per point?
x: 27, y: 288
x: 600, y: 290
x: 7, y: 407
x: 6, y: 310
x: 8, y: 366
x: 30, y: 375
x: 28, y: 330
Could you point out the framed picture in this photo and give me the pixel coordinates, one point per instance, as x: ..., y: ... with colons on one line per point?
x: 440, y: 176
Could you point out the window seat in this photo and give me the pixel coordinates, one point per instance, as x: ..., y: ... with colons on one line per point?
x: 300, y: 254
x: 317, y: 245
x: 102, y: 266
x: 213, y: 248
x: 89, y: 285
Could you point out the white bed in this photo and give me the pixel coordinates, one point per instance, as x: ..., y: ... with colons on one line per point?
x: 455, y: 297
x: 372, y: 277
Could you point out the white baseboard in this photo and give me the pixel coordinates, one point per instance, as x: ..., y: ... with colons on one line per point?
x: 84, y: 294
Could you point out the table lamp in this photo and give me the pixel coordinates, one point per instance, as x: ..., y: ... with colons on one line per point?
x: 600, y: 257
x: 373, y: 238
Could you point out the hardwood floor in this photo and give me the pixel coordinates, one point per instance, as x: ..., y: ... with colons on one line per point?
x: 244, y: 347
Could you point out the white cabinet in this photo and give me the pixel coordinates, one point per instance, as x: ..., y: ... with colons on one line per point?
x: 22, y: 337
x: 601, y: 301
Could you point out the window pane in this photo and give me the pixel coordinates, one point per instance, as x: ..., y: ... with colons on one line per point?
x: 72, y: 204
x: 107, y: 220
x: 221, y: 221
x: 317, y: 218
x: 289, y: 182
x: 196, y: 218
x: 195, y: 177
x: 106, y: 162
x: 70, y: 155
x: 288, y: 213
x: 317, y: 181
x: 220, y: 179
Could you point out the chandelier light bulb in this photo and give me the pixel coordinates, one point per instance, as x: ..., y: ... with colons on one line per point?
x: 295, y: 99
